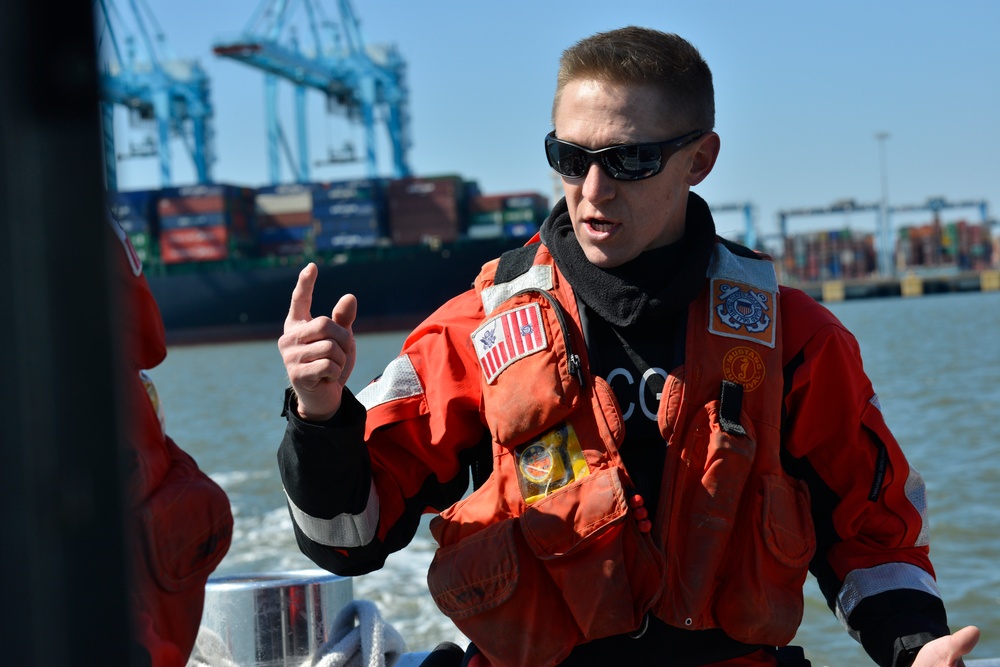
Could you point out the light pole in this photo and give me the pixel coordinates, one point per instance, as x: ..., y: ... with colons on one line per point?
x: 885, y: 256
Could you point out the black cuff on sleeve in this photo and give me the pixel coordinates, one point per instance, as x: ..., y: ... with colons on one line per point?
x: 350, y: 413
x: 905, y: 649
x: 325, y: 467
x: 895, y: 624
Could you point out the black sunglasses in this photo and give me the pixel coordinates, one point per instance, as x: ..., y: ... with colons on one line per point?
x: 627, y: 162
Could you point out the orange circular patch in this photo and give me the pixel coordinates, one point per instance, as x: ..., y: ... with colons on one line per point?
x: 744, y: 366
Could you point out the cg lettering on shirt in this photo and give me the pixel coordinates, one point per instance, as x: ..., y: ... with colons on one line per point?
x: 648, y: 400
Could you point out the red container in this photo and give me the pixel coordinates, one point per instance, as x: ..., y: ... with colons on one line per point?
x: 190, y: 205
x: 285, y: 220
x: 486, y: 203
x: 194, y: 244
x: 425, y: 209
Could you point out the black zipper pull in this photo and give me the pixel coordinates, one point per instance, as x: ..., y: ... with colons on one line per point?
x: 576, y: 367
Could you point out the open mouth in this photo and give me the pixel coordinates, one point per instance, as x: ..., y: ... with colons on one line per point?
x: 601, y: 226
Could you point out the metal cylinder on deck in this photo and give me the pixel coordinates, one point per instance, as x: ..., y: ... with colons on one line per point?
x: 274, y: 619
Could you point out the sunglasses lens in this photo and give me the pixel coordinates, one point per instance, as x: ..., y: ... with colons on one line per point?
x: 630, y: 163
x: 567, y: 160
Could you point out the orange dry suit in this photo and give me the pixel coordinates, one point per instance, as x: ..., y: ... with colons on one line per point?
x: 179, y: 519
x: 529, y: 574
x: 547, y: 554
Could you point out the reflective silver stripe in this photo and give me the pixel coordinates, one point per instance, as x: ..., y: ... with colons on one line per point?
x: 861, y: 584
x: 916, y: 493
x: 345, y: 530
x: 398, y: 380
x: 538, y: 276
x: 756, y: 272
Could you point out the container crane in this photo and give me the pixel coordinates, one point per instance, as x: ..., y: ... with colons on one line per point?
x: 886, y: 250
x: 362, y: 81
x: 938, y: 204
x: 170, y: 92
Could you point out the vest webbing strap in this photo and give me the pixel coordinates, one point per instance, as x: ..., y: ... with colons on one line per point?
x: 512, y: 264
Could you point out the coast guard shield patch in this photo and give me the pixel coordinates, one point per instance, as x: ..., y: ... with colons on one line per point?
x: 740, y: 310
x: 512, y: 335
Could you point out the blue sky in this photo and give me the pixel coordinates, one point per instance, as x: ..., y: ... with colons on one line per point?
x: 802, y: 88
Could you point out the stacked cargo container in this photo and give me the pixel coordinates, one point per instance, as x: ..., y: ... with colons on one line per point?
x: 284, y: 220
x: 961, y: 245
x: 135, y: 212
x: 347, y: 214
x: 510, y: 215
x: 426, y: 210
x: 293, y: 222
x: 203, y: 223
x: 829, y: 255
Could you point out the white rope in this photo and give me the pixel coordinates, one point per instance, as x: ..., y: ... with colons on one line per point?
x: 210, y: 651
x: 370, y: 643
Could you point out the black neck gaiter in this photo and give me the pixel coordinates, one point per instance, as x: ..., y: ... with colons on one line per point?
x: 650, y: 289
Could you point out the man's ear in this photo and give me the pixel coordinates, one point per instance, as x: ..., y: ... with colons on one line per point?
x: 703, y: 160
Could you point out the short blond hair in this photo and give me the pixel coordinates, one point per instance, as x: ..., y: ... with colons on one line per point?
x: 642, y: 56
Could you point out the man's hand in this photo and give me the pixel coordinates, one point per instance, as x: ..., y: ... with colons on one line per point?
x: 948, y: 651
x: 318, y: 353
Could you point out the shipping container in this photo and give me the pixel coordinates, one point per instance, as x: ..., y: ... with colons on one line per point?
x: 512, y: 215
x: 361, y: 189
x: 955, y: 245
x: 282, y: 241
x: 145, y: 247
x: 271, y: 204
x: 199, y: 220
x: 290, y: 219
x: 330, y: 240
x: 134, y: 210
x: 425, y: 210
x: 194, y: 244
x: 839, y: 254
x: 485, y: 230
x: 234, y: 202
x: 347, y: 208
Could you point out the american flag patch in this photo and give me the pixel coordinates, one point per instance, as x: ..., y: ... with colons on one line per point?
x: 510, y: 336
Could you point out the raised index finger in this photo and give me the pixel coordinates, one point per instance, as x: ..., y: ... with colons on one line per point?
x: 299, y: 310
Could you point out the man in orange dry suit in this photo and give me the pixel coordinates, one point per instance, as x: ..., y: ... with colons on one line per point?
x: 179, y: 520
x: 662, y: 440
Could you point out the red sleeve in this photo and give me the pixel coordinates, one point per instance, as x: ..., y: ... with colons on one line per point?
x: 358, y: 484
x: 425, y: 409
x: 834, y: 423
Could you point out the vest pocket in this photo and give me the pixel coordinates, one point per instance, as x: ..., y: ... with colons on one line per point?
x: 573, y: 568
x: 186, y: 526
x: 712, y: 473
x: 532, y: 385
x: 499, y: 596
x: 604, y: 568
x: 761, y: 599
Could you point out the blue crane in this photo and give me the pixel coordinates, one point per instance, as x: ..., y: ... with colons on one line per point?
x: 365, y: 82
x: 172, y: 93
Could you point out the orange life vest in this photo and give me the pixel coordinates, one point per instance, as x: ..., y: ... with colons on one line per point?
x: 546, y: 555
x: 180, y: 523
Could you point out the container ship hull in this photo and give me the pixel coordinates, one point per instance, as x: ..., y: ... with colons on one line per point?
x: 396, y: 288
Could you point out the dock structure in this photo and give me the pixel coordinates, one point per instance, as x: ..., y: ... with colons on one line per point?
x: 905, y: 285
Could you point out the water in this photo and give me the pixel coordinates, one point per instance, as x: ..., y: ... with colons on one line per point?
x: 934, y: 361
